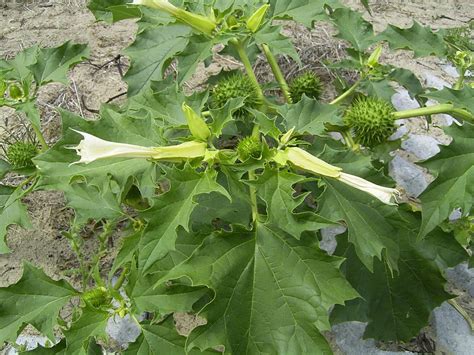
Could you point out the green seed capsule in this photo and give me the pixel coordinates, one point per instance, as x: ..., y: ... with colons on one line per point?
x: 249, y: 147
x: 20, y: 155
x: 97, y: 297
x: 15, y: 92
x: 371, y: 121
x: 307, y: 83
x: 234, y: 86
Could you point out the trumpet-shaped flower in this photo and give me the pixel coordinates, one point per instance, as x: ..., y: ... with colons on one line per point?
x: 198, y: 22
x: 308, y: 162
x: 385, y: 194
x: 92, y: 148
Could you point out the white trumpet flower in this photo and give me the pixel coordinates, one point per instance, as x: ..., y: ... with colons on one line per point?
x: 385, y: 194
x: 92, y: 148
x: 308, y: 162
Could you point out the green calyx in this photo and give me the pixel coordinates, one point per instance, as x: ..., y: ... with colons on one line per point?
x: 249, y: 147
x: 20, y: 155
x: 234, y: 86
x: 97, y: 297
x: 371, y: 121
x: 307, y: 83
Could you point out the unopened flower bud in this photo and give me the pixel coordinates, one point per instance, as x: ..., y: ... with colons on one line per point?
x: 196, y: 124
x: 254, y: 21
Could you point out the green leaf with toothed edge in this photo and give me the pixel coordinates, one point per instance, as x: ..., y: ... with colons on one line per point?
x: 173, y: 209
x: 35, y: 299
x: 454, y: 183
x: 254, y: 273
x: 370, y: 231
x: 279, y: 44
x: 198, y: 50
x: 151, y: 54
x: 309, y: 116
x: 12, y: 211
x: 303, y: 11
x: 419, y: 39
x: 354, y: 29
x: 52, y: 64
x: 276, y: 188
x: 162, y: 338
x: 397, y: 305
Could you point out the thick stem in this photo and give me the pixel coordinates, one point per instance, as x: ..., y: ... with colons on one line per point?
x: 121, y: 279
x: 431, y: 110
x: 248, y: 67
x: 347, y: 93
x: 350, y: 141
x: 253, y: 190
x: 277, y: 73
x: 460, y: 81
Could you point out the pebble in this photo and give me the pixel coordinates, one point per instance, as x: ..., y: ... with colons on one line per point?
x: 423, y: 147
x: 462, y: 277
x: 433, y: 81
x: 329, y: 241
x: 453, y: 334
x: 123, y: 330
x: 401, y: 100
x: 408, y: 176
x: 348, y: 337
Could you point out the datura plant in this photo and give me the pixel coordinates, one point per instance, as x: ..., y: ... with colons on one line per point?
x: 221, y: 197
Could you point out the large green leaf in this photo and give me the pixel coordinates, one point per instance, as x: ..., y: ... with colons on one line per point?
x: 272, y: 292
x: 398, y: 305
x: 366, y: 218
x: 354, y: 29
x: 173, y: 209
x: 151, y: 54
x: 18, y: 67
x: 12, y: 211
x: 35, y: 299
x: 378, y: 88
x: 91, y: 324
x: 275, y: 187
x: 463, y: 98
x: 303, y: 11
x: 55, y: 167
x: 454, y: 183
x: 198, y: 50
x: 157, y: 339
x: 52, y: 64
x: 421, y: 40
x: 309, y: 116
x: 108, y: 10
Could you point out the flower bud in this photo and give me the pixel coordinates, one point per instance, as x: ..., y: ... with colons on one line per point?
x: 200, y: 23
x: 254, y: 21
x: 308, y: 162
x: 196, y: 124
x: 92, y: 148
x: 286, y: 137
x: 374, y: 57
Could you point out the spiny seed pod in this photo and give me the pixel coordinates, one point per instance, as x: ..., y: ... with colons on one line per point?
x: 20, y: 154
x: 249, y: 147
x: 371, y: 121
x: 233, y: 86
x: 97, y: 297
x: 307, y: 83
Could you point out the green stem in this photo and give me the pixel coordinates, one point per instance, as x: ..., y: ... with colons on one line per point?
x: 460, y: 81
x: 39, y: 135
x: 462, y: 312
x: 253, y: 190
x: 277, y: 73
x: 347, y: 93
x: 248, y: 67
x: 431, y: 110
x: 121, y: 279
x: 349, y: 140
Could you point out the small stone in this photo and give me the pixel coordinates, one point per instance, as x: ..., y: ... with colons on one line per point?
x: 30, y: 342
x: 408, y: 176
x: 452, y: 331
x: 451, y: 70
x: 401, y: 100
x: 433, y: 81
x: 462, y: 277
x: 349, y: 339
x: 329, y: 241
x: 423, y: 147
x: 401, y: 131
x: 123, y: 330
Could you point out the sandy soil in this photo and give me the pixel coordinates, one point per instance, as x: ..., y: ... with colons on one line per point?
x: 50, y: 23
